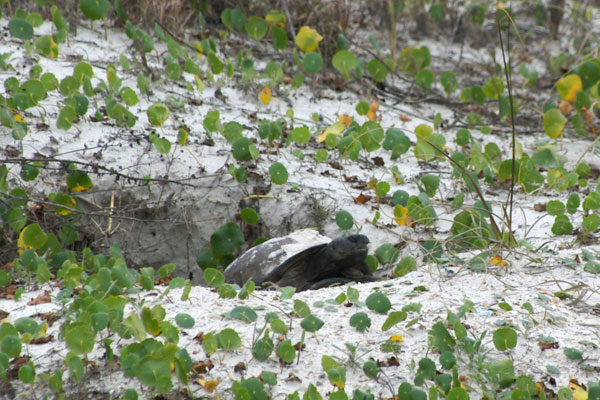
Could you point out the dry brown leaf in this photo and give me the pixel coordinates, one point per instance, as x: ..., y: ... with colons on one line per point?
x: 209, y: 385
x: 372, y: 114
x: 565, y: 107
x: 41, y: 299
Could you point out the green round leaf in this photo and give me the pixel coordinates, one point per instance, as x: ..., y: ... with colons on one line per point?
x: 173, y: 71
x: 286, y: 351
x: 227, y: 238
x: 505, y: 338
x: 242, y: 313
x: 279, y: 174
x: 362, y: 108
x: 79, y: 102
x: 79, y: 338
x: 232, y: 131
x: 377, y: 70
x: 311, y: 323
x: 370, y: 369
x: 554, y: 123
x: 589, y: 72
x: 448, y: 81
x: 562, y: 225
x: 406, y: 265
x: 94, y: 9
x: 35, y: 89
x: 82, y: 71
x: 157, y: 114
x: 312, y: 62
x: 129, y: 96
x: 301, y: 135
x: 69, y: 86
x: 29, y: 172
x: 425, y: 78
x: 238, y: 19
x: 33, y: 236
x: 151, y: 369
x: 263, y: 347
x: 242, y: 149
x: 228, y: 339
x: 255, y: 389
x: 321, y: 155
x: 344, y: 61
x: 573, y: 354
x: 249, y: 215
x: 216, y: 65
x: 301, y: 308
x: 35, y: 19
x: 20, y: 29
x: 360, y: 321
x: 297, y: 80
x: 591, y: 202
x: 396, y: 141
x: 46, y: 46
x: 555, y: 207
x: 393, y: 318
x: 27, y: 373
x: 10, y: 345
x: 256, y: 27
x: 382, y: 188
x: 184, y: 320
x: 457, y: 393
x: 386, y: 253
x: 79, y: 181
x: 163, y: 145
x: 213, y: 277
x: 279, y: 38
x: 590, y: 223
x: 344, y: 220
x: 447, y: 360
x: 431, y: 183
x: 65, y: 119
x: 400, y: 197
x: 378, y: 302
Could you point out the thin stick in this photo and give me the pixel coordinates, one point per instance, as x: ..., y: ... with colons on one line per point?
x: 507, y: 74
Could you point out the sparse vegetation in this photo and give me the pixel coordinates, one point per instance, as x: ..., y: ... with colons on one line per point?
x: 55, y: 236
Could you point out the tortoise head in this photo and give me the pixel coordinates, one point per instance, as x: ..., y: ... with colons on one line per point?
x: 354, y: 246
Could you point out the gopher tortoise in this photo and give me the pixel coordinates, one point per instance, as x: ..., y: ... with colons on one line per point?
x: 305, y: 260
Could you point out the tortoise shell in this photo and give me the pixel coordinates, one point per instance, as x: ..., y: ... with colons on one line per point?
x: 303, y: 259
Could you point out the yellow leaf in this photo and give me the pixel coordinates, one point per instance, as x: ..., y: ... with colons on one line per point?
x: 401, y: 215
x: 209, y: 386
x: 335, y: 129
x: 498, y: 260
x: 276, y: 17
x: 579, y: 393
x: 397, y: 177
x: 53, y: 49
x: 396, y: 338
x: 372, y: 114
x: 265, y: 95
x: 568, y: 86
x: 18, y: 117
x: 308, y: 39
x: 21, y: 246
x: 373, y: 183
x: 345, y: 119
x: 79, y: 188
x: 198, y: 47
